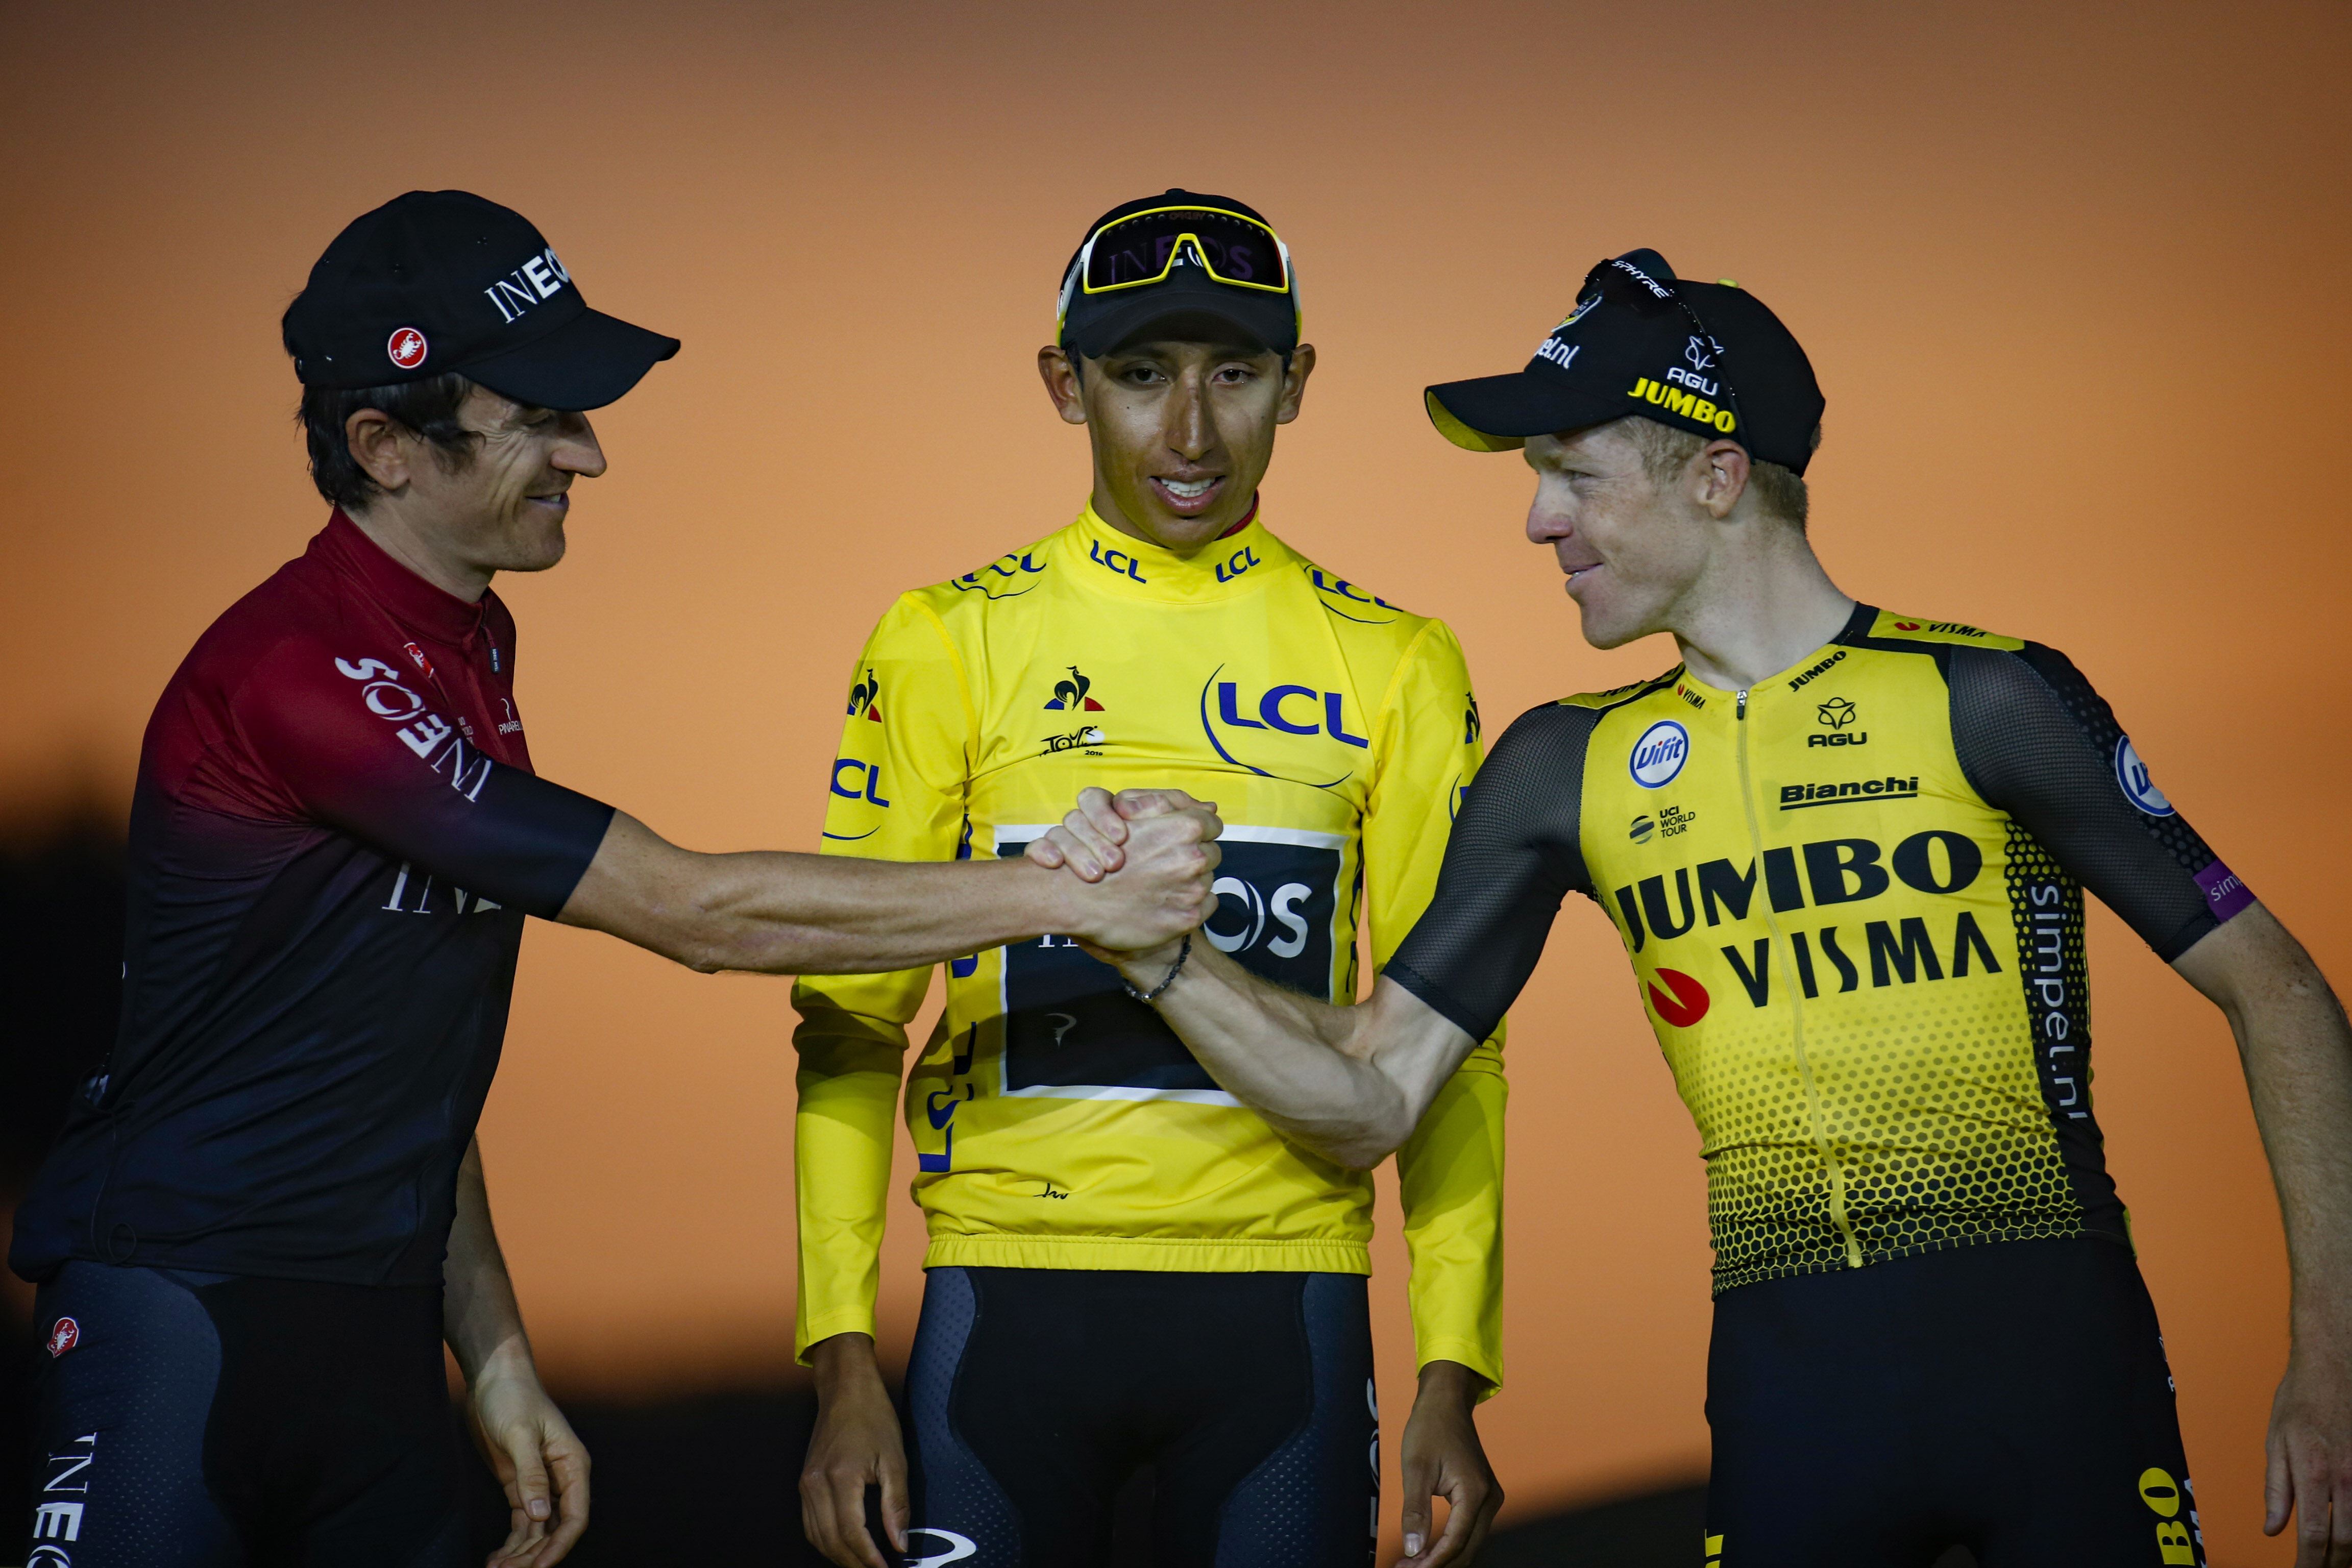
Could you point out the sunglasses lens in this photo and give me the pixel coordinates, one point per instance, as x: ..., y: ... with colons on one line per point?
x: 1137, y: 250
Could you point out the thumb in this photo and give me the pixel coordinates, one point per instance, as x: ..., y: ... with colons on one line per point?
x: 1418, y: 1486
x: 1137, y: 803
x: 529, y: 1490
x: 897, y: 1511
x: 2278, y: 1485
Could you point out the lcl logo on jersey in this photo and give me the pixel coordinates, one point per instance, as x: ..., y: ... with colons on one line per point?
x: 1239, y: 561
x: 1362, y: 603
x: 1070, y: 696
x: 1229, y: 708
x: 1005, y: 578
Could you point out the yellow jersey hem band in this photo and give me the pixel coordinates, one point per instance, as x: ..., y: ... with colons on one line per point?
x: 1159, y: 1254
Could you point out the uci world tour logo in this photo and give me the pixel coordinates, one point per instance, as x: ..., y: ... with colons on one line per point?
x: 1070, y: 696
x: 1659, y: 755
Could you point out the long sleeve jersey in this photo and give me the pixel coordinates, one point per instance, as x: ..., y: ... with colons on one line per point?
x: 1057, y: 1123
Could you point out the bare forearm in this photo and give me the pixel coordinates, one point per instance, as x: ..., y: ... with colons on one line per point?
x: 1298, y: 1062
x: 479, y: 1316
x: 2296, y: 1051
x: 784, y: 914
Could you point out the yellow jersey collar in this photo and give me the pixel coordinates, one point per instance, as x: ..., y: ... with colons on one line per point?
x: 1240, y: 563
x: 1802, y: 673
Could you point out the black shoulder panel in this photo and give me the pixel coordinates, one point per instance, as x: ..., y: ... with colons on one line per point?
x: 2038, y: 742
x: 1515, y: 853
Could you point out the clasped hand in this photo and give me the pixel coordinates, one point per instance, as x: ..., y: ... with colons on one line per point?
x: 1148, y: 858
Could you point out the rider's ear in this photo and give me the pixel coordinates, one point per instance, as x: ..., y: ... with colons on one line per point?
x: 1722, y: 477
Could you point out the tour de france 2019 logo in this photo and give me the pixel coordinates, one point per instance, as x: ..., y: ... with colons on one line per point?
x: 2138, y: 786
x: 1659, y: 755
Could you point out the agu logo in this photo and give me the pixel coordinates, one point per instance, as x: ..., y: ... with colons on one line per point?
x: 64, y: 1337
x: 1659, y: 755
x: 406, y: 348
x: 2132, y: 774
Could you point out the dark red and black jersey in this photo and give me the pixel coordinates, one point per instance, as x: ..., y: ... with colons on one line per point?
x: 335, y: 838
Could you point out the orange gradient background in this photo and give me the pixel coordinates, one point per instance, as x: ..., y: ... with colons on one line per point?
x: 2072, y: 276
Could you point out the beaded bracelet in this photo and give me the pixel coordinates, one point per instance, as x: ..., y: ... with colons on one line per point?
x: 1167, y: 979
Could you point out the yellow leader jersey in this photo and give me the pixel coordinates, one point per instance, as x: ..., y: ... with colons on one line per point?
x: 1059, y: 1124
x: 1852, y: 898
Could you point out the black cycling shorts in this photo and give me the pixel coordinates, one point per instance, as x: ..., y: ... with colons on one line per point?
x: 1034, y: 1394
x: 210, y: 1421
x: 2011, y: 1397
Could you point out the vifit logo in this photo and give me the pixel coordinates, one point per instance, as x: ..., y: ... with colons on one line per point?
x: 1659, y: 755
x: 2138, y: 786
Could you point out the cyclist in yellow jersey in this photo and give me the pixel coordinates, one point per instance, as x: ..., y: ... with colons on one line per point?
x: 1844, y: 850
x: 1129, y: 1274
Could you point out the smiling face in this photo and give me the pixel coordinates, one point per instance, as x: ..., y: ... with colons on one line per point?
x: 1182, y: 432
x: 1634, y: 551
x: 503, y: 510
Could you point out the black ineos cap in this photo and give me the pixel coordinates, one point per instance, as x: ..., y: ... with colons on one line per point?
x: 1703, y: 357
x: 437, y: 282
x: 1147, y: 235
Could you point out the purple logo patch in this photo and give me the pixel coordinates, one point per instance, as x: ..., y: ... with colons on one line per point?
x: 2224, y: 894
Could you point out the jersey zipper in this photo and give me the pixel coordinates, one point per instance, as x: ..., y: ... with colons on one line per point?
x: 1780, y: 946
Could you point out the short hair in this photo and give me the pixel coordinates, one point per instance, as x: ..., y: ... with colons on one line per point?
x: 1667, y: 452
x: 429, y: 407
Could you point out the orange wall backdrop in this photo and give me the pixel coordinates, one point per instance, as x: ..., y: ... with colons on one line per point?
x: 2074, y: 278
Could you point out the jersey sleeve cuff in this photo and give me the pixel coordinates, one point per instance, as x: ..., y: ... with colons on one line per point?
x: 1438, y: 1000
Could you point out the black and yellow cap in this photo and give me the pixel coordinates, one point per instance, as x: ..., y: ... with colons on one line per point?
x: 1190, y: 302
x: 1708, y: 358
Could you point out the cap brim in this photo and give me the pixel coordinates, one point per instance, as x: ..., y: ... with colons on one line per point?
x: 1187, y: 311
x: 584, y: 363
x: 1498, y: 412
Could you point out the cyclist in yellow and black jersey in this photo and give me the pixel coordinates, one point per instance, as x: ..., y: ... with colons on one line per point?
x: 1126, y: 1268
x: 1844, y: 850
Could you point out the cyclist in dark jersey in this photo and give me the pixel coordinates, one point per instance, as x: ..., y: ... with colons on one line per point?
x: 1844, y: 850
x: 266, y: 1212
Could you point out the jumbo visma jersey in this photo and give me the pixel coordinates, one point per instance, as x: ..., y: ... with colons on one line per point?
x: 1852, y: 897
x: 1058, y: 1123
